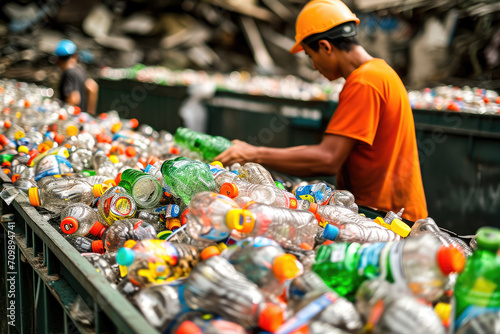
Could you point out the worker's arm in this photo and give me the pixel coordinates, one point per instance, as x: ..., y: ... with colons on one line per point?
x: 92, y: 89
x: 323, y: 159
x: 73, y: 98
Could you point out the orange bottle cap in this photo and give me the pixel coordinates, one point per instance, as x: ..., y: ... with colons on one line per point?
x: 43, y: 148
x: 287, y: 266
x: 15, y: 177
x: 7, y: 124
x: 58, y: 139
x: 306, y: 246
x: 313, y: 207
x: 130, y: 151
x: 27, y: 103
x: 450, y: 259
x: 173, y: 224
x: 130, y: 243
x: 98, y: 229
x: 72, y: 130
x: 103, y: 116
x: 34, y: 196
x: 209, y: 252
x: 118, y: 178
x: 134, y: 123
x: 4, y: 140
x: 229, y: 189
x: 6, y: 164
x: 271, y: 317
x: 69, y: 225
x: 98, y: 247
x: 174, y: 150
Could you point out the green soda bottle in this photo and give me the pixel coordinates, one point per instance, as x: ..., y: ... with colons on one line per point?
x: 422, y: 264
x: 187, y: 177
x: 477, y: 290
x: 213, y: 146
x: 143, y: 187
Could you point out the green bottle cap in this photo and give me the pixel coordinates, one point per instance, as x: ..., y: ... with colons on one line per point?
x: 279, y: 185
x: 88, y: 173
x: 163, y: 235
x: 488, y: 238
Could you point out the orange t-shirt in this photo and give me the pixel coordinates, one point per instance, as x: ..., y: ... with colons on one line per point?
x: 383, y: 169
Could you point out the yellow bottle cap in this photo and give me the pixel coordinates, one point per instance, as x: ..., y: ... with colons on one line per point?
x: 400, y: 228
x: 72, y: 130
x: 130, y: 243
x: 362, y: 215
x: 241, y: 220
x: 18, y: 135
x: 64, y: 152
x: 221, y: 246
x: 116, y: 127
x: 23, y: 149
x: 114, y: 159
x: 217, y: 163
x: 443, y: 311
x: 99, y: 189
x: 381, y: 222
x: 34, y: 196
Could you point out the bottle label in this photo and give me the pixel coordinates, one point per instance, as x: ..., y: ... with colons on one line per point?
x: 52, y: 165
x: 396, y: 264
x: 369, y: 265
x: 215, y: 235
x: 338, y: 253
x: 304, y: 316
x: 471, y: 312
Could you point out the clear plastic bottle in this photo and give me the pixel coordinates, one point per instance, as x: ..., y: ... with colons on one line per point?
x: 429, y: 226
x: 215, y: 285
x: 307, y: 292
x: 292, y: 229
x: 24, y: 184
x: 103, y: 266
x: 187, y: 177
x: 422, y: 264
x: 103, y: 165
x: 345, y: 199
x: 160, y: 304
x: 85, y: 245
x: 81, y: 159
x: 265, y: 263
x: 127, y: 229
x: 241, y: 191
x: 144, y: 188
x: 154, y: 261
x: 352, y: 232
x: 255, y: 173
x: 318, y: 193
x: 222, y: 176
x: 209, y: 216
x: 180, y: 235
x: 116, y: 204
x: 389, y: 308
x: 81, y: 220
x: 59, y: 193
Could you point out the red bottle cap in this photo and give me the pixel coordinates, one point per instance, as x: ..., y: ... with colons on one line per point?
x: 450, y: 260
x: 184, y: 216
x: 188, y: 327
x: 118, y: 178
x: 7, y: 124
x: 4, y: 140
x: 69, y: 225
x: 174, y: 150
x: 130, y: 151
x: 103, y: 116
x: 134, y: 123
x: 271, y: 318
x: 15, y: 177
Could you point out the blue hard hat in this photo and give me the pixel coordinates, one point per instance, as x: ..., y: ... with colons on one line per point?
x: 65, y: 48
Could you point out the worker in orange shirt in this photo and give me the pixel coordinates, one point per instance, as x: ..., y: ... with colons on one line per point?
x: 370, y: 141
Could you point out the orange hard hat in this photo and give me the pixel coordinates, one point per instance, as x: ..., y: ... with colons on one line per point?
x: 319, y: 16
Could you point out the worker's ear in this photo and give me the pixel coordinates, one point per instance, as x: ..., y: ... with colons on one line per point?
x: 325, y: 45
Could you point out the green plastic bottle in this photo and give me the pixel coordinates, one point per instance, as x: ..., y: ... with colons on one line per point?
x: 420, y: 263
x: 187, y: 177
x: 143, y: 187
x: 477, y: 290
x: 206, y: 145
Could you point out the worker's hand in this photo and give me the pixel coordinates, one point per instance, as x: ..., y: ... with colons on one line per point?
x: 240, y: 152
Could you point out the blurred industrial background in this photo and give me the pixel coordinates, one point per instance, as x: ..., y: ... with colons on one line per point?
x: 428, y: 42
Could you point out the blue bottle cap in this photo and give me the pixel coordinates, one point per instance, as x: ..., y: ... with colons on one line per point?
x: 174, y: 212
x: 125, y: 256
x: 330, y: 232
x: 148, y: 167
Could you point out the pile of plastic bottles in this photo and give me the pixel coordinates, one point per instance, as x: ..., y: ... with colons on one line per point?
x: 203, y: 248
x: 239, y: 82
x: 448, y: 98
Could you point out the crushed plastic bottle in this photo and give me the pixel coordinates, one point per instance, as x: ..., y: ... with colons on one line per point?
x: 255, y: 173
x: 81, y: 220
x: 124, y: 230
x: 215, y: 285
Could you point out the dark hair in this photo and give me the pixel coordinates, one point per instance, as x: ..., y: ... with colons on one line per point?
x: 65, y: 58
x: 343, y: 37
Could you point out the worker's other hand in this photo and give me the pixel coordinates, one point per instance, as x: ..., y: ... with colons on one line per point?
x: 240, y: 152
